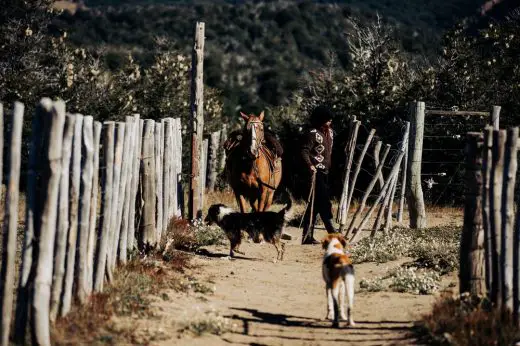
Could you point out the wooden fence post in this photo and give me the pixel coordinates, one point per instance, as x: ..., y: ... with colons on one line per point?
x: 203, y: 173
x: 403, y: 184
x: 10, y: 221
x: 213, y: 160
x: 471, y: 273
x: 53, y: 138
x: 121, y: 161
x: 92, y: 237
x: 179, y: 202
x: 63, y: 218
x: 495, y: 117
x: 87, y: 172
x: 508, y: 216
x: 350, y: 150
x: 167, y: 164
x: 495, y: 203
x: 114, y: 217
x: 135, y: 182
x: 222, y: 157
x: 106, y: 204
x: 32, y: 214
x: 147, y: 228
x: 158, y: 147
x: 74, y: 216
x: 369, y: 190
x: 197, y: 119
x: 356, y: 173
x: 415, y: 196
x: 130, y: 131
x: 486, y: 217
x: 176, y: 192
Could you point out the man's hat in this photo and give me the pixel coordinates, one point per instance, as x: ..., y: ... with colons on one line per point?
x: 320, y: 115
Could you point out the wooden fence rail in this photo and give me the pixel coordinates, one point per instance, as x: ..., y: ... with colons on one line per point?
x: 72, y: 243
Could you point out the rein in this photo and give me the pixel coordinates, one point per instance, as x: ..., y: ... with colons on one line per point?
x: 262, y: 148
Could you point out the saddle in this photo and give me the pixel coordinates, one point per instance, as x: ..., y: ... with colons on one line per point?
x: 275, y: 162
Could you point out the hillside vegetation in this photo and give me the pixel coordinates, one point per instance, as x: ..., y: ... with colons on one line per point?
x: 257, y: 52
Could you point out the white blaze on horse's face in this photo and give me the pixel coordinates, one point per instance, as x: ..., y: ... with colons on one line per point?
x: 256, y: 127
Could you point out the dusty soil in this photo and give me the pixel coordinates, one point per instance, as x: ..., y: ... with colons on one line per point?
x: 281, y: 303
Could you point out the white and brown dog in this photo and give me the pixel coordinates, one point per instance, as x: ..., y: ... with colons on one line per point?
x: 338, y: 273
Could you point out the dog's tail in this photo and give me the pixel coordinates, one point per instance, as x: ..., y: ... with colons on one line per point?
x: 287, y: 210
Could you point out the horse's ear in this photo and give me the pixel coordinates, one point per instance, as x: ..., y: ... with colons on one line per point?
x: 261, y: 116
x: 244, y: 116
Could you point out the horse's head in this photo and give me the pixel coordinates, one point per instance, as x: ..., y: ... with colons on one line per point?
x: 253, y: 133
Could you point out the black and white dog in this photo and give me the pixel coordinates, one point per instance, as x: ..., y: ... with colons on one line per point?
x: 262, y: 226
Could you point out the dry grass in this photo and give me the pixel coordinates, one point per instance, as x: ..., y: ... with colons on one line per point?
x: 467, y: 320
x: 128, y: 295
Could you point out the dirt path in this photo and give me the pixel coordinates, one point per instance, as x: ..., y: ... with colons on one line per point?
x: 280, y: 303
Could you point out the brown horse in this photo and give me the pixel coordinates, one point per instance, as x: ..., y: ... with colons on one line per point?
x: 253, y: 171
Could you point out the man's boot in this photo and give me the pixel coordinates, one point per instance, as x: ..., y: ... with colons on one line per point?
x: 308, y: 236
x: 329, y: 226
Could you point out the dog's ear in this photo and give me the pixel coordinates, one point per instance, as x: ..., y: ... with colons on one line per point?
x: 342, y: 240
x: 325, y: 242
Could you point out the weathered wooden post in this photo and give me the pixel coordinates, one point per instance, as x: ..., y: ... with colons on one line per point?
x: 350, y: 150
x: 135, y: 182
x: 400, y: 212
x: 92, y: 237
x: 415, y: 196
x: 122, y: 147
x: 128, y: 163
x: 74, y: 216
x: 204, y: 172
x: 10, y: 220
x: 158, y: 147
x: 495, y: 117
x: 508, y: 215
x: 106, y: 204
x: 179, y: 202
x: 167, y: 166
x: 213, y: 160
x: 472, y: 270
x: 487, y: 162
x: 197, y: 122
x: 114, y: 229
x: 147, y: 228
x: 32, y: 214
x: 222, y: 157
x: 173, y: 171
x: 51, y: 173
x: 495, y: 205
x: 87, y: 172
x: 63, y: 218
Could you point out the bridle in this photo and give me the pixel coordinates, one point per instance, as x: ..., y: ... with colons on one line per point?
x: 256, y: 127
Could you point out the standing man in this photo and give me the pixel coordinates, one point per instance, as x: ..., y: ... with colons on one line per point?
x: 316, y: 153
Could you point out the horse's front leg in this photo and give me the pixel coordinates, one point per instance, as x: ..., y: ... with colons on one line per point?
x: 241, y: 202
x: 264, y: 199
